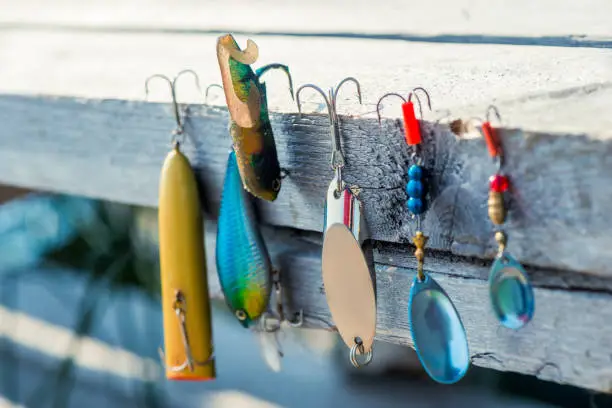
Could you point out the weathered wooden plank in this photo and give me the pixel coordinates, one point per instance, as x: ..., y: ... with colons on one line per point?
x: 114, y: 149
x: 564, y: 22
x: 536, y: 88
x: 553, y: 347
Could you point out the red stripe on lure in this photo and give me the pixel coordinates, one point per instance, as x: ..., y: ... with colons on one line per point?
x: 348, y: 210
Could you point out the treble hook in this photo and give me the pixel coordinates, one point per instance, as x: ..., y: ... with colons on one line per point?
x: 180, y: 308
x: 278, y: 315
x: 413, y: 92
x: 337, y: 159
x: 180, y: 127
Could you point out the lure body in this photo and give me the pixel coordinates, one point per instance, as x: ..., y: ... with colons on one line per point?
x: 187, y: 323
x: 250, y: 126
x: 243, y: 262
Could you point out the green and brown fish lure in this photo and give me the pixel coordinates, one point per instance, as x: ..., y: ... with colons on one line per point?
x: 250, y: 126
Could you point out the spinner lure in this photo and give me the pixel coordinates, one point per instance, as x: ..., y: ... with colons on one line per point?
x: 509, y: 288
x: 435, y: 325
x: 250, y: 126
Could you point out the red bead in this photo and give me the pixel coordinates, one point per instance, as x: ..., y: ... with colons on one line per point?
x: 499, y: 183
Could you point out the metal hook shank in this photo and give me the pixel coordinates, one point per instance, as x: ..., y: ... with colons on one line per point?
x: 177, y: 117
x: 337, y: 160
x: 172, y: 84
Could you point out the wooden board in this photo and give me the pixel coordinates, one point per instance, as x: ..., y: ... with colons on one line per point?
x: 544, y: 89
x: 113, y: 150
x: 552, y: 347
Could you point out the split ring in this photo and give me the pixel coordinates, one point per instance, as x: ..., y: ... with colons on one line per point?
x: 353, y: 355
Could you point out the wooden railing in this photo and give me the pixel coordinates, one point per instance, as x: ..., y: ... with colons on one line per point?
x: 74, y: 120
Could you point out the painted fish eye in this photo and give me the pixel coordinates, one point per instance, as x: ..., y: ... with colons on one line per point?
x: 241, y: 315
x: 276, y: 185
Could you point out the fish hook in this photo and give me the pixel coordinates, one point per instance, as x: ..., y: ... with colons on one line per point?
x: 337, y: 159
x: 261, y: 71
x: 278, y: 315
x: 180, y: 308
x: 180, y: 125
x: 414, y: 92
x: 383, y: 97
x: 208, y: 88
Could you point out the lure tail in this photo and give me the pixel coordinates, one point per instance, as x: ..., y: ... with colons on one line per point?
x: 250, y: 126
x: 185, y: 301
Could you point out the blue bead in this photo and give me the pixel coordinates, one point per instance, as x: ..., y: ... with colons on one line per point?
x: 414, y: 188
x: 415, y: 205
x: 415, y: 172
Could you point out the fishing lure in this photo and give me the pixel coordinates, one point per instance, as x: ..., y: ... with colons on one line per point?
x: 185, y: 302
x: 245, y: 271
x: 250, y: 126
x: 435, y: 325
x: 243, y: 263
x: 509, y: 288
x: 346, y: 274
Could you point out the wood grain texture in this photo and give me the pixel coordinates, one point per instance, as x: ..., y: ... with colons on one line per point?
x: 114, y: 149
x: 552, y: 347
x: 564, y: 22
x: 546, y: 89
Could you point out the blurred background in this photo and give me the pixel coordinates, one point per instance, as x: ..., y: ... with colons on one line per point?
x: 81, y: 325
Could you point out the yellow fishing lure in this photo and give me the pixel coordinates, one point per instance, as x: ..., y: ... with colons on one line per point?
x: 185, y: 303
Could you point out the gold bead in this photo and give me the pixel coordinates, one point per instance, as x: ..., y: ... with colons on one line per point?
x: 419, y: 254
x: 497, y: 210
x: 501, y: 238
x: 419, y: 240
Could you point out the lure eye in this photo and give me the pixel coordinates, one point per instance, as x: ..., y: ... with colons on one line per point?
x: 276, y: 185
x: 241, y: 315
